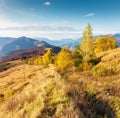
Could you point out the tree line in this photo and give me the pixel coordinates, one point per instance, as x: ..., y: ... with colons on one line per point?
x: 83, y: 57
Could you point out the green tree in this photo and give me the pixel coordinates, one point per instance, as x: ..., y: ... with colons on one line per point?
x: 78, y: 58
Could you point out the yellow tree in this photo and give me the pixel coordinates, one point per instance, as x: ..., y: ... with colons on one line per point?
x: 47, y: 57
x: 105, y: 43
x: 38, y: 60
x: 64, y: 58
x: 87, y: 48
x: 111, y: 42
x: 87, y: 44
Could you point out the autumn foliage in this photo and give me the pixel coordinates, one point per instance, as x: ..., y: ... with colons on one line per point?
x: 83, y: 57
x: 47, y: 57
x: 41, y: 60
x: 64, y: 59
x: 105, y: 43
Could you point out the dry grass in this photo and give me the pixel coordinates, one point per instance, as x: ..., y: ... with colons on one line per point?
x: 35, y: 91
x: 103, y: 81
x: 109, y: 64
x: 31, y: 91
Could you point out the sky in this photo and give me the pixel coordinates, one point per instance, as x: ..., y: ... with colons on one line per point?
x: 57, y: 19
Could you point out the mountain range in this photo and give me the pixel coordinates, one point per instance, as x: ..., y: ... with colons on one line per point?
x: 8, y: 44
x: 23, y: 43
x: 5, y: 40
x: 71, y: 43
x: 24, y: 47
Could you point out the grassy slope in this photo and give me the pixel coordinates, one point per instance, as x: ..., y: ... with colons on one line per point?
x: 29, y: 91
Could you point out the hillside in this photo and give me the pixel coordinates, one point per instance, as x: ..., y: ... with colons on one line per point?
x: 36, y: 91
x: 5, y: 40
x: 23, y: 43
x: 24, y: 47
x: 28, y: 53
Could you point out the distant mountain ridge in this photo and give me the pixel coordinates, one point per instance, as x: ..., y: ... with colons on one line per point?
x: 8, y: 44
x: 23, y: 43
x: 28, y: 53
x: 5, y: 40
x: 117, y: 37
x: 24, y: 47
x: 71, y: 43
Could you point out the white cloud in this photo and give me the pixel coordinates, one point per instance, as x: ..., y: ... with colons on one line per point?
x: 90, y: 14
x: 42, y: 34
x: 19, y: 27
x: 48, y: 31
x: 47, y: 3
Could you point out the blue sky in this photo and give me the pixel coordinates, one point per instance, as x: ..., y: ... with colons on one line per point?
x: 57, y: 19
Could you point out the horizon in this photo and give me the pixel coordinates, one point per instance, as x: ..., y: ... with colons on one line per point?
x: 58, y: 19
x: 39, y: 38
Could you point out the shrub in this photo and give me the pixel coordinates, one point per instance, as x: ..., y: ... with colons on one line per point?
x: 103, y: 70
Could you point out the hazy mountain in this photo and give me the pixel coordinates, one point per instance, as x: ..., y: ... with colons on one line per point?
x: 24, y: 47
x: 8, y: 44
x: 71, y: 43
x: 23, y: 43
x: 117, y: 37
x: 28, y: 53
x: 5, y: 40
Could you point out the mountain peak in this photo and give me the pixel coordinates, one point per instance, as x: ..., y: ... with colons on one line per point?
x: 22, y: 37
x: 23, y: 43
